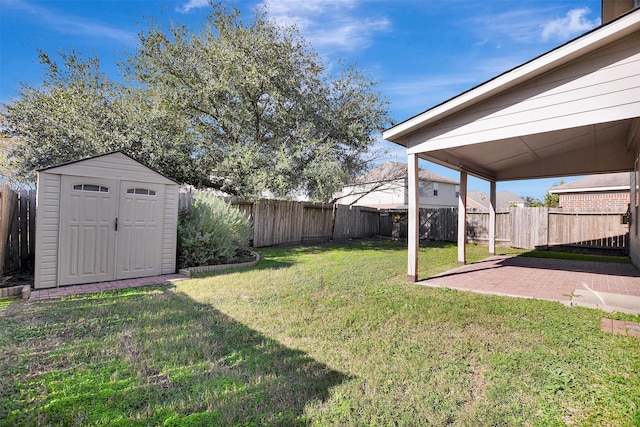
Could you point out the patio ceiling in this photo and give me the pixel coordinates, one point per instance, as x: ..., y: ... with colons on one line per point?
x: 596, y: 148
x: 572, y: 111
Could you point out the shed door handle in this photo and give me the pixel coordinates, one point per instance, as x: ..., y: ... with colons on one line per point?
x: 116, y: 224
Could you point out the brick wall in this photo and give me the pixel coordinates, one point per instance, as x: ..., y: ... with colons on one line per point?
x: 595, y: 202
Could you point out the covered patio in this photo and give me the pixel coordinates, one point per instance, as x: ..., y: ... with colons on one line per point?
x: 572, y: 111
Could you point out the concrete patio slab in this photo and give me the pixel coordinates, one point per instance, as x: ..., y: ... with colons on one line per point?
x: 606, y: 301
x: 607, y: 286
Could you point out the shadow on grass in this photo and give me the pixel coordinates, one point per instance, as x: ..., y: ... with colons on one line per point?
x: 150, y: 356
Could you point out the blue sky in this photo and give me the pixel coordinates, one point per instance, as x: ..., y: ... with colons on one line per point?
x: 422, y: 52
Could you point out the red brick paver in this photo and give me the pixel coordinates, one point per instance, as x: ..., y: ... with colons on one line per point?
x: 620, y: 327
x: 63, y: 291
x: 542, y: 278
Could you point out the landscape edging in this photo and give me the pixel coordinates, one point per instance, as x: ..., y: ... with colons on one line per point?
x: 220, y: 267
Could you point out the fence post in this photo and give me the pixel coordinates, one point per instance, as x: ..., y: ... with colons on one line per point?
x: 7, y: 209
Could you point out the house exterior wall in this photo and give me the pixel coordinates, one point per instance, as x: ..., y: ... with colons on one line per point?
x: 634, y: 226
x: 615, y: 201
x: 395, y: 195
x: 447, y: 194
x: 375, y: 194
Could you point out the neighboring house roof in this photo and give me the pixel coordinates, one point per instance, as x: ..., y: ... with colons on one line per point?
x: 602, y: 182
x: 504, y: 200
x: 391, y: 171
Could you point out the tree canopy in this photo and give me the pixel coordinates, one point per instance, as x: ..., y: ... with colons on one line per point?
x: 79, y: 112
x: 550, y: 200
x: 246, y: 108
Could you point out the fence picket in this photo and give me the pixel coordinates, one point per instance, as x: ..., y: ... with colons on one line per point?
x: 7, y: 206
x: 17, y: 229
x: 520, y: 227
x: 23, y: 224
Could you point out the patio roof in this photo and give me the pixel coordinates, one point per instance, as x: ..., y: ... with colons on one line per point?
x: 572, y: 111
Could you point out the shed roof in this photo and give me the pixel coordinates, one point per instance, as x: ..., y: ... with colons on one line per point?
x: 115, y: 165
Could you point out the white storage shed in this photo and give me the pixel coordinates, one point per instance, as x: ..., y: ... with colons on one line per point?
x: 104, y: 218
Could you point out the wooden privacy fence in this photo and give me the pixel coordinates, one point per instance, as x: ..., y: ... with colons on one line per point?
x: 441, y: 224
x: 478, y: 228
x: 17, y: 229
x: 355, y: 222
x: 587, y: 229
x: 526, y: 228
x: 278, y: 222
x: 286, y: 222
x: 544, y: 227
x: 529, y: 227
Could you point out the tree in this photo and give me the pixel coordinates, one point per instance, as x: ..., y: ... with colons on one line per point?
x: 532, y: 202
x: 267, y: 114
x: 245, y: 108
x: 552, y: 200
x: 78, y: 112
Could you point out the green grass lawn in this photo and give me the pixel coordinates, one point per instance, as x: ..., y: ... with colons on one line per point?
x: 323, y: 336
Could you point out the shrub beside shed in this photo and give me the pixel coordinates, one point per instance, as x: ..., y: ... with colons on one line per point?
x: 104, y: 218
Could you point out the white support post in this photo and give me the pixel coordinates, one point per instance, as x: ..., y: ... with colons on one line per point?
x: 414, y: 219
x: 492, y: 218
x: 462, y: 219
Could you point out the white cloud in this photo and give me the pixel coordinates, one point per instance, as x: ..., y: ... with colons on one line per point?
x: 530, y: 26
x: 494, y: 66
x: 71, y: 24
x: 328, y: 23
x: 412, y: 95
x: 426, y: 85
x: 284, y: 7
x: 192, y: 4
x: 521, y: 26
x: 575, y: 22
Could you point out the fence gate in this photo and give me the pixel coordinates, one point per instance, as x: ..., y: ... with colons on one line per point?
x: 529, y: 227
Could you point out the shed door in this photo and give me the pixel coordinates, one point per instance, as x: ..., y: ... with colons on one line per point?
x: 86, y: 248
x: 109, y: 230
x: 139, y: 236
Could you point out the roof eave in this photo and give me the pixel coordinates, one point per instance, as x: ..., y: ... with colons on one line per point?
x: 590, y: 189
